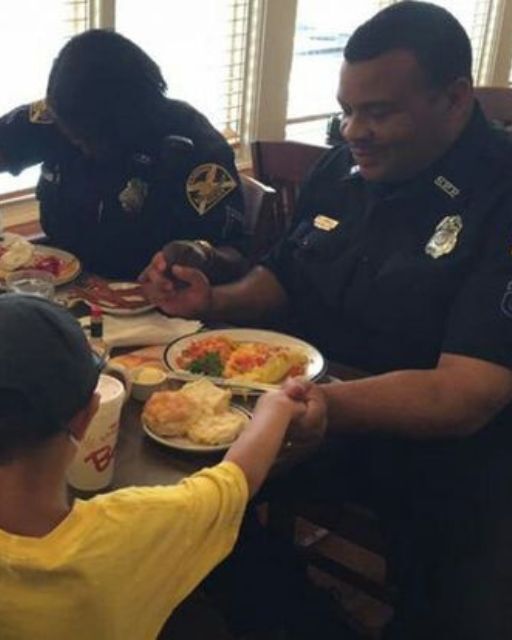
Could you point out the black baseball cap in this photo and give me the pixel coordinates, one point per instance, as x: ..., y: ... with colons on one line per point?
x: 45, y: 356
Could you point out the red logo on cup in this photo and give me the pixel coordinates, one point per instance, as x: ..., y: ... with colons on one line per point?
x: 101, y: 457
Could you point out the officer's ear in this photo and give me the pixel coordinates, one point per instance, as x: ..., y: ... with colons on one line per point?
x: 459, y: 96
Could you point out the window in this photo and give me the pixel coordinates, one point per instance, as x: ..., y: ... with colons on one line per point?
x: 257, y: 68
x: 322, y: 30
x: 480, y: 20
x: 31, y: 34
x: 202, y: 47
x: 318, y: 49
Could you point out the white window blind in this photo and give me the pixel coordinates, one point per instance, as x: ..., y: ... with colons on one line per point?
x: 78, y: 16
x: 204, y: 48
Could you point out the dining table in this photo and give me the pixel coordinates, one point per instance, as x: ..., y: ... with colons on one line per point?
x: 141, y: 461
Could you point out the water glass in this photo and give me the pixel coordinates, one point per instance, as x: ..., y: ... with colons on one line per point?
x: 31, y: 282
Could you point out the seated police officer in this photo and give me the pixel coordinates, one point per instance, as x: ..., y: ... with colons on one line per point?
x: 400, y: 264
x: 126, y: 170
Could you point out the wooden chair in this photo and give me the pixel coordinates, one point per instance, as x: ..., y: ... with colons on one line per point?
x: 496, y: 103
x: 284, y: 165
x: 259, y: 211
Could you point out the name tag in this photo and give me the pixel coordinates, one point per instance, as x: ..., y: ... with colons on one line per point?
x: 325, y: 223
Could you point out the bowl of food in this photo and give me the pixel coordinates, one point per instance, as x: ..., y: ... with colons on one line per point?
x: 145, y: 381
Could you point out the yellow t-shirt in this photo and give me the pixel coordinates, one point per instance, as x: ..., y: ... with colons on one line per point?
x: 120, y: 563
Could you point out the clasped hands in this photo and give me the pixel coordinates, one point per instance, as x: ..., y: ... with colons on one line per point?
x: 306, y: 405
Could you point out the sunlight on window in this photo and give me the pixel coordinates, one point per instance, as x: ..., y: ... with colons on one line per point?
x: 200, y: 47
x: 31, y: 33
x: 322, y: 30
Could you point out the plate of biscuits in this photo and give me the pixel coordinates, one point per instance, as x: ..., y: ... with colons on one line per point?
x: 200, y: 417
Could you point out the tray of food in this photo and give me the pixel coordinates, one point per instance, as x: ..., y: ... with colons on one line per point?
x: 200, y: 417
x: 17, y: 253
x: 244, y: 358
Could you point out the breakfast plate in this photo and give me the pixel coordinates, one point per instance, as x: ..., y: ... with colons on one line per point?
x: 114, y: 298
x: 216, y: 359
x: 21, y: 254
x: 185, y: 444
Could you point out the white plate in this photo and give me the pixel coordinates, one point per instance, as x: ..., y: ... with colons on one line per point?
x: 92, y: 297
x: 73, y: 263
x: 314, y: 369
x: 184, y: 444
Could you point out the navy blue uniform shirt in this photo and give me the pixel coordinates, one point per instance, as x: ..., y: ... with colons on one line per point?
x: 116, y: 217
x: 387, y: 277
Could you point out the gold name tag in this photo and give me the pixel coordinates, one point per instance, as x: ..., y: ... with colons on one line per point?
x: 325, y: 223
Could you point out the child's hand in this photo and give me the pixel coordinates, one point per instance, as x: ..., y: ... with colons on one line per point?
x: 311, y: 424
x: 281, y: 402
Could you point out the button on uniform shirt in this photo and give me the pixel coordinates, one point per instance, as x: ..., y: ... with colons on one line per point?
x: 116, y: 216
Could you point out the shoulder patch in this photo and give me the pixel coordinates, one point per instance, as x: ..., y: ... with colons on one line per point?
x: 39, y: 113
x: 207, y: 185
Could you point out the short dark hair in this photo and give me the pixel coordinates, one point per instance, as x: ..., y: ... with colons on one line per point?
x: 432, y: 34
x: 99, y: 77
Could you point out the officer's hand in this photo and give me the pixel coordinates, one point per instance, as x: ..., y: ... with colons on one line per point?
x: 187, y: 295
x: 188, y: 253
x: 311, y: 425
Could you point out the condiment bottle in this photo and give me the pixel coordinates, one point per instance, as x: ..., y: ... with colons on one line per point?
x: 96, y: 332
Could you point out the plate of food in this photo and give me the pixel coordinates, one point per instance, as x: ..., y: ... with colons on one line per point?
x: 16, y: 253
x: 199, y: 417
x: 115, y: 298
x: 244, y: 358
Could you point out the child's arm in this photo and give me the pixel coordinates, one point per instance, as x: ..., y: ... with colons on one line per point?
x: 258, y: 445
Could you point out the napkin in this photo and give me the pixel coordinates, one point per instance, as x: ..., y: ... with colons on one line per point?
x: 145, y: 329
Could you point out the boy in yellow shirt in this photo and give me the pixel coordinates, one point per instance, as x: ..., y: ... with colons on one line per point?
x: 116, y: 566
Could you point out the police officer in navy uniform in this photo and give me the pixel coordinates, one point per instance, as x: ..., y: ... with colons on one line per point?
x: 125, y: 170
x: 400, y: 264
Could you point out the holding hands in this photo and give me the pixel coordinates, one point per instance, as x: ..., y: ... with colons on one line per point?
x: 302, y: 403
x: 177, y: 290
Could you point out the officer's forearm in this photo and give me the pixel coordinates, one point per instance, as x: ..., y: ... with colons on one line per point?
x: 256, y: 297
x: 454, y: 400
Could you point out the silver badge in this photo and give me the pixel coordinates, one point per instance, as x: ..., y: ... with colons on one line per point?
x: 445, y: 237
x: 132, y: 197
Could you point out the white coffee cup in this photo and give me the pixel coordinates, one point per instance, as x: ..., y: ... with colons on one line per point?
x: 93, y: 465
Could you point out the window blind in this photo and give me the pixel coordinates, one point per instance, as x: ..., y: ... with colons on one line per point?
x: 205, y: 51
x: 77, y: 16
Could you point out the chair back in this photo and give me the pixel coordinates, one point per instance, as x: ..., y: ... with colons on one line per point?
x: 284, y: 165
x: 259, y: 215
x: 496, y: 103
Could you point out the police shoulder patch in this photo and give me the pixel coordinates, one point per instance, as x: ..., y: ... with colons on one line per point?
x: 39, y: 113
x: 207, y: 185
